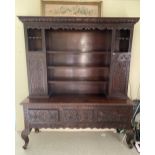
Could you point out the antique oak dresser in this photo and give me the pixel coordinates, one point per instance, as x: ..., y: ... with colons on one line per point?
x: 78, y: 71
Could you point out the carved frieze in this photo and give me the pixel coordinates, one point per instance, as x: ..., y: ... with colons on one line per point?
x: 70, y: 115
x: 78, y: 19
x: 83, y: 115
x: 86, y: 115
x: 105, y: 115
x: 43, y: 116
x: 77, y: 23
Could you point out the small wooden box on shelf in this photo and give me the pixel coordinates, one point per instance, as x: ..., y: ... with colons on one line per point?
x: 78, y: 69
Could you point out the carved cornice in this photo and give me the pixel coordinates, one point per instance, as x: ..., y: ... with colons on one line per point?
x: 77, y: 23
x: 78, y: 19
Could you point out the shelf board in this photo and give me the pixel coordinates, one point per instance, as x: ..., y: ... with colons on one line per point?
x: 78, y: 52
x: 80, y: 66
x: 123, y: 38
x: 31, y: 37
x: 121, y: 51
x: 76, y: 81
x: 39, y: 51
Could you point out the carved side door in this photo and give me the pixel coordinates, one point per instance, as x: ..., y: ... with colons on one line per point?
x: 120, y: 65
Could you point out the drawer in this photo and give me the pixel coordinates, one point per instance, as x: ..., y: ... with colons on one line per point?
x: 97, y: 115
x: 43, y: 116
x: 78, y: 115
x: 111, y: 114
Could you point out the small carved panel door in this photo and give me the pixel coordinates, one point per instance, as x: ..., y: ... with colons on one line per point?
x: 120, y: 62
x: 119, y: 75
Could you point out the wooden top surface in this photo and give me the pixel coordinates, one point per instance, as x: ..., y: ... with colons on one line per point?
x: 79, y: 19
x: 77, y: 99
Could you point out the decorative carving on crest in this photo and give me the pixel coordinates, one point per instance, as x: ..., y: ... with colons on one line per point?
x: 77, y: 23
x: 78, y: 19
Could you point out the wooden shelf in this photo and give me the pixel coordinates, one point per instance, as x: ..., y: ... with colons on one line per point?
x: 34, y: 37
x: 77, y: 87
x: 78, y: 66
x: 78, y: 52
x: 74, y: 58
x: 81, y: 99
x: 76, y: 81
x: 39, y: 51
x: 123, y: 38
x: 78, y: 58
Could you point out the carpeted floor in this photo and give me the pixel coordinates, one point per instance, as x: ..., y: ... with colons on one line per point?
x: 74, y: 143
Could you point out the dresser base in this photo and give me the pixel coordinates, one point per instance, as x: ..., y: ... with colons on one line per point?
x: 76, y: 112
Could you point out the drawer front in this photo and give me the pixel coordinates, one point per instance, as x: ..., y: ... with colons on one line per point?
x: 43, y: 116
x: 108, y: 114
x: 76, y: 115
x: 81, y: 117
x: 96, y: 115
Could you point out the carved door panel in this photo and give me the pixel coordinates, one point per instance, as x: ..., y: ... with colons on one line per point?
x: 37, y: 74
x: 119, y: 71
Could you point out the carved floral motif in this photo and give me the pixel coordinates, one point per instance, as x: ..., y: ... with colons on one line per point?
x: 86, y: 115
x: 109, y: 116
x: 83, y: 115
x: 120, y: 70
x: 43, y: 116
x: 71, y: 115
x: 37, y: 73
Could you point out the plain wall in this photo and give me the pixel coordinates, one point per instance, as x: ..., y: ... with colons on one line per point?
x: 110, y: 8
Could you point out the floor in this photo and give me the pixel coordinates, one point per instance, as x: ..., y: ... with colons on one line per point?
x: 74, y: 143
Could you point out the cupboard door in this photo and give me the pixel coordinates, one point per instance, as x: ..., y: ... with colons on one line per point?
x: 119, y: 71
x: 37, y: 74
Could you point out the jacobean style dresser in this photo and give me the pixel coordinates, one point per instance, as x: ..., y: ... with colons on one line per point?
x: 78, y: 71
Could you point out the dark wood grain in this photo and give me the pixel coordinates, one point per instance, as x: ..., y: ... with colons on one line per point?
x: 94, y: 113
x: 78, y: 87
x: 82, y: 64
x: 78, y: 58
x: 78, y: 40
x: 78, y: 73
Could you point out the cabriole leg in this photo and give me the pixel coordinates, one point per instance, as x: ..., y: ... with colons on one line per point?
x: 130, y: 138
x: 25, y: 137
